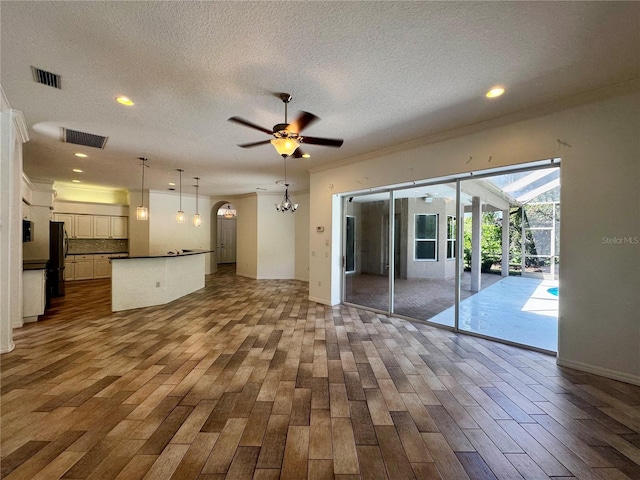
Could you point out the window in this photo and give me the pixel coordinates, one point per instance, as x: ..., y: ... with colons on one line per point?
x: 451, y: 236
x: 426, y: 237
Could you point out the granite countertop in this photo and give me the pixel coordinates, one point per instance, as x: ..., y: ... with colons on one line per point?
x: 183, y: 253
x: 94, y: 253
x: 34, y: 264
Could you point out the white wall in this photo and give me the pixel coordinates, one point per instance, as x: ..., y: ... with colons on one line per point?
x: 247, y: 236
x: 599, y: 328
x: 165, y: 234
x: 302, y: 233
x: 443, y: 268
x: 276, y: 239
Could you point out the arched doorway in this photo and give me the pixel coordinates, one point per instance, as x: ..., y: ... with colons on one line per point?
x: 223, y: 235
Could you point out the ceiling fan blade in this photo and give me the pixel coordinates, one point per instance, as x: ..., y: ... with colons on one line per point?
x: 304, y: 120
x: 247, y: 123
x: 298, y: 153
x: 254, y: 144
x: 327, y: 142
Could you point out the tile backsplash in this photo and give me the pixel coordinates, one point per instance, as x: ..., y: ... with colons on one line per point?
x: 97, y: 245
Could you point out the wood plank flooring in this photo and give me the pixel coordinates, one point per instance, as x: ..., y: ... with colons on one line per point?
x: 247, y: 379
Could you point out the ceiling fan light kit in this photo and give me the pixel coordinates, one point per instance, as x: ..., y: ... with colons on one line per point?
x: 286, y: 136
x: 285, y: 146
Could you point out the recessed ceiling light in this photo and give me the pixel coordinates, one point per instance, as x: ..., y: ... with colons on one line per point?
x: 125, y: 101
x: 172, y: 183
x: 306, y: 155
x: 495, y: 92
x: 75, y: 181
x: 81, y: 155
x: 77, y: 170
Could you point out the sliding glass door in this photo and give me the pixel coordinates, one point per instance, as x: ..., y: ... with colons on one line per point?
x: 366, y: 255
x: 478, y: 254
x: 425, y: 253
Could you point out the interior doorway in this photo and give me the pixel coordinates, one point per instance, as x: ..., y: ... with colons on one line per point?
x: 226, y: 252
x: 223, y: 235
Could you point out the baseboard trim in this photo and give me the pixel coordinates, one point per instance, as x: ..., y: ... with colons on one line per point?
x: 8, y: 348
x: 603, y: 372
x: 319, y: 300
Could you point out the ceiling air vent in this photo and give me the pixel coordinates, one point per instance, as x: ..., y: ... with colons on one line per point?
x: 46, y: 78
x: 83, y: 138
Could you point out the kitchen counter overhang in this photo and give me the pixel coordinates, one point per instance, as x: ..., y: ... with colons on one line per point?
x: 155, y: 280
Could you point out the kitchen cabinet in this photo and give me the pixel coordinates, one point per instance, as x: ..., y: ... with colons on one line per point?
x: 119, y: 227
x: 83, y: 226
x: 101, y: 266
x: 87, y: 267
x: 68, y: 220
x: 94, y: 226
x: 83, y: 267
x: 70, y: 268
x: 33, y: 297
x: 101, y: 226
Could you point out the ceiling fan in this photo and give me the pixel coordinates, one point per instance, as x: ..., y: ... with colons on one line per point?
x: 286, y: 136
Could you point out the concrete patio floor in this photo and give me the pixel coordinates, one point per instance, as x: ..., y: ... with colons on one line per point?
x: 516, y: 309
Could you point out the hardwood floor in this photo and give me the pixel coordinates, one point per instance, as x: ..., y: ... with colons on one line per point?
x: 247, y: 379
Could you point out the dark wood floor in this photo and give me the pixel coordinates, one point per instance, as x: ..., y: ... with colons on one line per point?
x: 247, y: 379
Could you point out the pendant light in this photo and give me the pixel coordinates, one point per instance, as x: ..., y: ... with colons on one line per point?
x: 197, y: 221
x: 286, y: 205
x: 180, y: 214
x: 142, y: 212
x: 228, y: 213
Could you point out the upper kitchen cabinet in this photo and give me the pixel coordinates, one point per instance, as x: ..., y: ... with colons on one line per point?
x: 68, y: 220
x: 102, y: 226
x: 84, y: 226
x: 119, y: 227
x: 93, y: 226
x: 110, y: 227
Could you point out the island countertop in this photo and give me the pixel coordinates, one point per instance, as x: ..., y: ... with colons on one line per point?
x: 183, y: 253
x: 155, y: 280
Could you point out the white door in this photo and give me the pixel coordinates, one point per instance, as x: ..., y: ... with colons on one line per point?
x: 226, y: 240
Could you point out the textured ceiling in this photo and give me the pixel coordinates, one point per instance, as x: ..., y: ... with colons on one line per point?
x: 376, y: 73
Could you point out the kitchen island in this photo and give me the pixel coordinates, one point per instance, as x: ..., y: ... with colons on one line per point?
x: 155, y: 280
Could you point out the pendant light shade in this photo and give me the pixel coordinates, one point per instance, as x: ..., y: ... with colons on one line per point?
x: 180, y: 214
x: 142, y: 212
x: 197, y: 221
x: 285, y: 146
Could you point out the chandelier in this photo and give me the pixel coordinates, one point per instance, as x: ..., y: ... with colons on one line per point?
x: 228, y: 213
x: 286, y: 205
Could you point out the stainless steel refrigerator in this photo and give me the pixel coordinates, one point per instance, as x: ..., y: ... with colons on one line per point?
x: 58, y: 248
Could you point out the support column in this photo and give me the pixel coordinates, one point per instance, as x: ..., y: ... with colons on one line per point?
x: 476, y: 243
x: 505, y: 243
